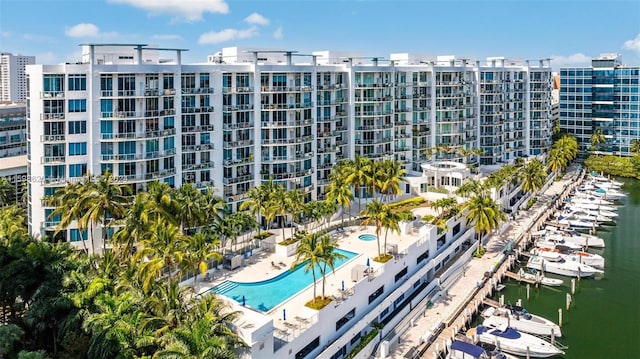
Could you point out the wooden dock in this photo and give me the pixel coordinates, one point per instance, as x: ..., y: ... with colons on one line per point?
x: 491, y: 303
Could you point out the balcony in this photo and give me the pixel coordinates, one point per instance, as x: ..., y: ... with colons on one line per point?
x: 52, y: 116
x: 245, y: 107
x: 52, y: 94
x: 199, y: 90
x: 52, y: 159
x: 238, y: 179
x: 235, y: 144
x: 289, y: 106
x: 198, y: 166
x: 52, y: 138
x: 201, y: 147
x: 197, y: 109
x: 290, y: 123
x: 286, y: 89
x: 236, y: 126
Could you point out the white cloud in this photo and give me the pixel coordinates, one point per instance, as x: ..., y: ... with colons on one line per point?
x: 256, y: 19
x: 633, y: 44
x: 577, y: 59
x: 167, y: 37
x: 82, y: 30
x: 5, y: 34
x: 189, y: 10
x: 278, y: 33
x: 216, y: 37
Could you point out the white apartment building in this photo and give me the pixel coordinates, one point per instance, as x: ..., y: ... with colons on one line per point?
x: 248, y: 115
x: 13, y: 82
x: 13, y: 146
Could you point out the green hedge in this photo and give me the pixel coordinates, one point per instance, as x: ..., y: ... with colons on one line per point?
x: 415, y: 201
x: 614, y: 165
x: 363, y: 343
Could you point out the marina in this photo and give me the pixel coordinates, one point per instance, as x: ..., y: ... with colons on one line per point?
x: 577, y: 305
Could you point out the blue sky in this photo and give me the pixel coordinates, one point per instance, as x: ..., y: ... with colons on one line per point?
x: 568, y: 31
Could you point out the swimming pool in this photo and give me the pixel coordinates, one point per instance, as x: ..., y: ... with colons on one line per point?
x: 269, y: 293
x: 367, y: 237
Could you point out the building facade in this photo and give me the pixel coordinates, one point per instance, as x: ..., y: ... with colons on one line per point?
x: 13, y: 82
x: 13, y: 147
x: 254, y: 114
x: 601, y: 99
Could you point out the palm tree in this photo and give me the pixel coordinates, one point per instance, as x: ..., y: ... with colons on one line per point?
x: 214, y: 207
x: 309, y: 253
x: 7, y: 192
x: 328, y: 257
x: 282, y: 205
x: 375, y: 177
x: 133, y: 227
x: 597, y: 139
x: 67, y: 205
x: 375, y: 212
x: 393, y: 176
x: 102, y: 202
x: 191, y: 209
x: 533, y: 176
x: 339, y: 191
x: 357, y: 176
x: 468, y: 187
x: 634, y: 146
x: 485, y: 214
x: 568, y: 146
x: 556, y: 161
x: 200, y: 249
x: 295, y: 204
x: 391, y: 221
x: 160, y: 200
x: 164, y: 249
x: 258, y: 202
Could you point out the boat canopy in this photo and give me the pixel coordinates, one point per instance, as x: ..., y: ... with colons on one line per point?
x: 467, y: 348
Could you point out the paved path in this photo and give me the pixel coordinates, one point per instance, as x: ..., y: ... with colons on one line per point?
x: 463, y: 296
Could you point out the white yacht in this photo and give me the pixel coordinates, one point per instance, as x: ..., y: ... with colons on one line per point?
x: 519, y: 319
x: 591, y: 203
x: 555, y: 240
x: 590, y: 259
x: 574, y: 222
x: 559, y: 265
x: 514, y: 342
x: 585, y: 215
x: 572, y: 236
x: 590, y: 209
x: 608, y: 193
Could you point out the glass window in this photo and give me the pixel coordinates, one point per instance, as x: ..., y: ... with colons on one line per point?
x: 77, y: 82
x: 77, y: 148
x: 76, y: 127
x: 75, y: 235
x: 78, y: 105
x: 77, y: 170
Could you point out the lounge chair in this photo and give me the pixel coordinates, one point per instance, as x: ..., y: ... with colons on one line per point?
x: 275, y: 265
x: 282, y: 264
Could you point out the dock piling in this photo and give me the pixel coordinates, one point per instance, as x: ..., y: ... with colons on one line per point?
x: 528, y: 289
x: 573, y: 286
x: 560, y: 317
x: 568, y: 300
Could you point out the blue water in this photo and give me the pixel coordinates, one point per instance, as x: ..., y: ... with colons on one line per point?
x: 367, y: 237
x: 269, y: 293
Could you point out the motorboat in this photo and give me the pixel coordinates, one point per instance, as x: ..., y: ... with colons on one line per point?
x: 573, y: 236
x: 586, y: 215
x: 554, y: 240
x: 544, y: 280
x: 592, y: 204
x: 573, y: 222
x: 608, y: 193
x: 590, y: 209
x: 514, y: 342
x: 591, y: 259
x: 600, y: 179
x: 558, y: 265
x: 464, y: 350
x: 519, y: 319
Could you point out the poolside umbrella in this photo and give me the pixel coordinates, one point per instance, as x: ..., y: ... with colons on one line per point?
x: 250, y: 252
x: 343, y: 286
x: 284, y: 314
x: 243, y: 301
x: 368, y: 265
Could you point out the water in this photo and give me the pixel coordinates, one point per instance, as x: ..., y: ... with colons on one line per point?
x: 267, y: 294
x: 604, y: 318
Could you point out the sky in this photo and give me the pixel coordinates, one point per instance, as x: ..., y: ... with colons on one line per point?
x: 569, y: 32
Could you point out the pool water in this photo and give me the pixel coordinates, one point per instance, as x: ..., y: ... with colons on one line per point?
x: 269, y: 293
x: 367, y: 237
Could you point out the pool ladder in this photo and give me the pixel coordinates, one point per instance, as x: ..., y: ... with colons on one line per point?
x: 225, y: 287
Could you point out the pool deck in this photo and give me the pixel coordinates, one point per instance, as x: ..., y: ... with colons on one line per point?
x: 260, y: 267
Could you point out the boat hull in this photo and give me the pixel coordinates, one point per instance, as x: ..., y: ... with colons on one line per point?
x: 525, y: 345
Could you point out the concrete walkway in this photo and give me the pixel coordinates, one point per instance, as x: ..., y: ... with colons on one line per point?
x: 460, y: 298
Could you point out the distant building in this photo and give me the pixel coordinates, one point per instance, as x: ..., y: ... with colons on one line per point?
x: 13, y: 146
x: 604, y: 97
x: 13, y: 81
